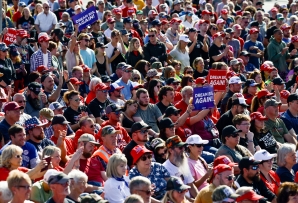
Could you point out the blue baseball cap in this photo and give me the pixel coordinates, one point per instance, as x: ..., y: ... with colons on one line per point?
x: 127, y: 20
x: 156, y: 22
x: 32, y: 123
x: 13, y: 51
x: 3, y: 46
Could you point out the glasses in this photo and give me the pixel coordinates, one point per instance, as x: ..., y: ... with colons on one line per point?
x: 176, y: 84
x: 148, y: 192
x: 158, y: 86
x: 151, y: 35
x: 230, y: 177
x: 214, y: 28
x: 197, y: 145
x: 144, y: 158
x: 77, y: 100
x: 143, y: 131
x: 189, y: 72
x: 27, y: 187
x: 117, y: 113
x: 235, y: 135
x: 136, y: 78
x: 128, y: 71
x: 254, y: 167
x: 22, y: 101
x: 18, y: 156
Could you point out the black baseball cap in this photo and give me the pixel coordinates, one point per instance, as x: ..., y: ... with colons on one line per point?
x: 171, y: 80
x: 278, y: 81
x: 229, y: 130
x: 251, y: 83
x: 138, y: 126
x: 156, y: 22
x: 171, y: 110
x: 59, y: 119
x: 175, y: 183
x: 246, y: 162
x: 105, y: 78
x: 229, y: 30
x: 100, y: 45
x: 34, y: 87
x: 166, y: 123
x: 254, y: 24
x: 292, y: 97
x: 113, y: 108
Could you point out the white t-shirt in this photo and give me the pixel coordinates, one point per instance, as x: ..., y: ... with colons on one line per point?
x: 116, y: 191
x: 45, y: 22
x: 45, y: 59
x: 182, y: 57
x: 108, y: 32
x: 110, y: 49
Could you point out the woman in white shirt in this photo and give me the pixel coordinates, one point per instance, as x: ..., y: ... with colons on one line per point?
x: 116, y: 188
x: 188, y: 21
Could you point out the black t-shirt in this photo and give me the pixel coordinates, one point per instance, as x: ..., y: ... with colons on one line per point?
x: 197, y: 74
x: 72, y: 116
x: 98, y: 108
x: 197, y: 50
x: 266, y: 141
x: 205, y: 55
x: 269, y: 32
x: 224, y: 120
x: 244, y: 142
x: 215, y: 51
x: 259, y: 187
x: 99, y: 37
x: 59, y: 13
x: 162, y: 107
x: 26, y: 24
x: 44, y: 143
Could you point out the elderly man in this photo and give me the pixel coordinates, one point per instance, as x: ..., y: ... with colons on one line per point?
x: 109, y: 145
x: 21, y: 100
x: 140, y: 185
x: 125, y: 81
x: 12, y: 115
x: 276, y: 125
x: 59, y: 185
x: 46, y: 20
x: 250, y: 176
x: 176, y: 164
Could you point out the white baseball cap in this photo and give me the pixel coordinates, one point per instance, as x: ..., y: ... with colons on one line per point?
x: 77, y: 7
x: 49, y: 173
x: 235, y: 80
x: 184, y: 38
x: 196, y: 139
x: 263, y: 155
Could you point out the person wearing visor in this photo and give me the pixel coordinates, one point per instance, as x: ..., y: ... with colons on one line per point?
x: 231, y: 148
x: 250, y: 176
x: 268, y: 176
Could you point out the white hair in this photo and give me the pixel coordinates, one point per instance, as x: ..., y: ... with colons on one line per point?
x: 6, y: 194
x: 76, y: 175
x: 282, y: 152
x: 185, y: 89
x: 94, y: 81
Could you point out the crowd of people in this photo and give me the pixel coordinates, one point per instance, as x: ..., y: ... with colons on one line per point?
x: 104, y: 113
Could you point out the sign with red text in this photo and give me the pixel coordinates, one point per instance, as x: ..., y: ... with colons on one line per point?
x: 218, y: 79
x: 10, y: 36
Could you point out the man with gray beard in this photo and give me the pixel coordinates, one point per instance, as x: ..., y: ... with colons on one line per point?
x: 177, y: 164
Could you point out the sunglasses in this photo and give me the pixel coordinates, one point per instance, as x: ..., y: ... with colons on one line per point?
x: 214, y: 28
x: 136, y: 78
x: 190, y: 80
x: 77, y: 100
x: 189, y: 72
x: 144, y: 158
x: 254, y: 167
x: 27, y: 187
x: 86, y: 40
x: 128, y: 71
x: 235, y: 135
x: 230, y: 177
x: 147, y: 192
x: 151, y: 35
x: 117, y: 113
x: 104, y: 91
x: 197, y: 145
x: 176, y: 83
x: 182, y: 191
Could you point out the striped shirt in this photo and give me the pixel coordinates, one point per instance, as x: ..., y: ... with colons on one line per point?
x: 37, y: 60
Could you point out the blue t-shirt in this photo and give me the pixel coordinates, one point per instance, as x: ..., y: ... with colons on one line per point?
x: 285, y: 175
x: 290, y: 121
x: 252, y: 59
x: 157, y: 176
x: 88, y: 56
x: 249, y: 67
x: 126, y: 90
x: 30, y: 156
x: 71, y: 12
x: 4, y: 126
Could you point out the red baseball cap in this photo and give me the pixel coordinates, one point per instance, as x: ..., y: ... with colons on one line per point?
x: 223, y: 160
x: 251, y: 195
x: 253, y: 31
x: 43, y: 37
x: 219, y: 169
x: 237, y: 26
x: 111, y: 20
x: 257, y: 115
x: 86, y: 69
x: 200, y: 80
x: 224, y: 11
x: 139, y: 151
x: 164, y: 22
x: 263, y: 93
x: 42, y: 68
x: 285, y: 26
x: 152, y: 12
x: 175, y: 20
x: 218, y: 34
x: 220, y: 21
x: 10, y: 106
x: 239, y: 13
x: 274, y: 9
x: 285, y: 93
x: 272, y: 69
x: 265, y: 67
x: 22, y: 33
x: 117, y: 11
x: 204, y: 12
x: 101, y: 86
x: 294, y: 38
x: 203, y: 21
x: 75, y: 81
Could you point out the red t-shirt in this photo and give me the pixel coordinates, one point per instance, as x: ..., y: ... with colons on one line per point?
x: 92, y: 168
x: 241, y: 41
x: 16, y: 16
x: 91, y: 95
x: 182, y: 106
x: 125, y: 13
x: 4, y: 172
x: 69, y: 144
x: 177, y: 97
x: 275, y: 181
x: 156, y: 100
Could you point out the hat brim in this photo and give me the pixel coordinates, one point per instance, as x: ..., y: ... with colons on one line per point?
x: 254, y: 84
x: 262, y: 118
x: 180, y: 144
x: 183, y: 187
x: 93, y: 142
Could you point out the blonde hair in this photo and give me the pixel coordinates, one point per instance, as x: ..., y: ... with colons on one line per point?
x: 196, y: 61
x: 169, y: 198
x: 35, y: 10
x: 15, y: 177
x: 134, y: 199
x: 131, y: 45
x: 178, y: 47
x: 114, y: 161
x: 8, y: 153
x: 49, y: 151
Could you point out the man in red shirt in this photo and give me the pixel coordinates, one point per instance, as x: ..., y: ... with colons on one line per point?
x: 128, y: 5
x: 17, y: 15
x: 113, y: 113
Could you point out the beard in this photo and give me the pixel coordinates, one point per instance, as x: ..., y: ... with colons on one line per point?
x: 255, y: 178
x: 35, y: 103
x: 179, y: 158
x: 87, y: 155
x: 142, y: 104
x: 39, y: 137
x: 180, y: 161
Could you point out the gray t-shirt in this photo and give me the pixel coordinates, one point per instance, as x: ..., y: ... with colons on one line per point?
x: 150, y: 116
x: 236, y: 46
x: 236, y: 154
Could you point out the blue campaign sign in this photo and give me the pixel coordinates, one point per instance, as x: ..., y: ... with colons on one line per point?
x: 85, y: 18
x: 203, y: 98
